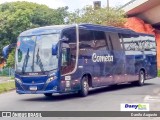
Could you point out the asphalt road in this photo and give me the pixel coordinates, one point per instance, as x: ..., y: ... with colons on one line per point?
x: 104, y: 99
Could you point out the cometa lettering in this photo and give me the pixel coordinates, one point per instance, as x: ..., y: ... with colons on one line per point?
x: 107, y: 58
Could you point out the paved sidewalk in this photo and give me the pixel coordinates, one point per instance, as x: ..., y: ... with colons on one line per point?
x: 5, y: 79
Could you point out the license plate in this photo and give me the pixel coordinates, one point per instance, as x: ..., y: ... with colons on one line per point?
x: 33, y: 88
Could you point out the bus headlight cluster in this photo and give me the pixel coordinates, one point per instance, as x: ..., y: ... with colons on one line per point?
x: 18, y: 80
x: 52, y: 74
x: 51, y: 79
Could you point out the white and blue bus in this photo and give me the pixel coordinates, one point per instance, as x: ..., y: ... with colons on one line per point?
x: 73, y: 58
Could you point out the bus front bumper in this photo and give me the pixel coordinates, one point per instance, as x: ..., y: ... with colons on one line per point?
x: 25, y: 89
x: 36, y: 92
x: 39, y: 88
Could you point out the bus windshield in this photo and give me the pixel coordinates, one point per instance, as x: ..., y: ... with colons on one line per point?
x: 34, y: 53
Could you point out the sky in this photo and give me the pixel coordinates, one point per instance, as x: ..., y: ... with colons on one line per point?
x: 72, y: 4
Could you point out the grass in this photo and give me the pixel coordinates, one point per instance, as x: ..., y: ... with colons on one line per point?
x: 7, y: 86
x: 12, y: 77
x: 158, y: 74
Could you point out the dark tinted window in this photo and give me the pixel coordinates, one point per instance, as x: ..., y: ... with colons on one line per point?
x: 92, y: 40
x: 100, y: 40
x: 86, y: 42
x: 130, y: 43
x: 138, y: 43
x: 86, y: 38
x: 148, y: 43
x: 126, y: 41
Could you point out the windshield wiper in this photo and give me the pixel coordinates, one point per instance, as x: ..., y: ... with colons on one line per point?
x: 39, y: 62
x: 25, y: 61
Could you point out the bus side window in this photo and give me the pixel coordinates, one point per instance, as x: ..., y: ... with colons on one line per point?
x: 66, y: 56
x: 148, y: 43
x: 132, y: 42
x: 86, y: 42
x: 128, y: 42
x: 100, y: 42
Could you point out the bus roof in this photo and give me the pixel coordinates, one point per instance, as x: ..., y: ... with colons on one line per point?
x: 45, y: 30
x: 59, y: 28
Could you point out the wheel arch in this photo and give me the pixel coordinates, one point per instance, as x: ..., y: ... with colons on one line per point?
x: 89, y: 76
x: 143, y: 69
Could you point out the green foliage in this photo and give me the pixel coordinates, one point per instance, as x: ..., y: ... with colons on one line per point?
x: 158, y: 74
x: 7, y: 71
x: 10, y: 59
x: 7, y: 86
x: 15, y: 17
x: 103, y: 16
x: 4, y: 72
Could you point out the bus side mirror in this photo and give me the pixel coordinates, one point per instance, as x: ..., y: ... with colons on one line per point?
x: 5, y: 51
x: 54, y: 49
x: 64, y: 39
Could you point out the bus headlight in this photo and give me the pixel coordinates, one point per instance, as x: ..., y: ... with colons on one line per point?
x: 18, y: 80
x: 51, y: 79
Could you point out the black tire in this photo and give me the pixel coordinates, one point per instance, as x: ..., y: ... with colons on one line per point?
x: 141, y: 80
x: 48, y: 94
x: 114, y: 86
x: 84, y: 87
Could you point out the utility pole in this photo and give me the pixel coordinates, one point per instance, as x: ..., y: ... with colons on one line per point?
x: 97, y: 4
x: 108, y: 5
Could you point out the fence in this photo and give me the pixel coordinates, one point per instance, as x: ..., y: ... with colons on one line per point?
x: 9, y: 72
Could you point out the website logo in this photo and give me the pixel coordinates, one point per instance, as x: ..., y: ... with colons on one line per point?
x: 134, y: 107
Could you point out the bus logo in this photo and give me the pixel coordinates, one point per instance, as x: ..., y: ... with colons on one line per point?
x: 107, y: 58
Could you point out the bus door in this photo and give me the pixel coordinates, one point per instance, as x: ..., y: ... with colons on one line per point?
x: 117, y: 68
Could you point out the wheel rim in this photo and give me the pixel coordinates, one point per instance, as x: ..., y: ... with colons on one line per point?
x: 85, y: 86
x: 142, y: 77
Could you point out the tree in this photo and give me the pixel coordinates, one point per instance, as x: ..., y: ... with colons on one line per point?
x: 103, y: 16
x: 15, y: 17
x: 10, y: 61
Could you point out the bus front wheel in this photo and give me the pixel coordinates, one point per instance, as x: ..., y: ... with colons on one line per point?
x: 84, y: 87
